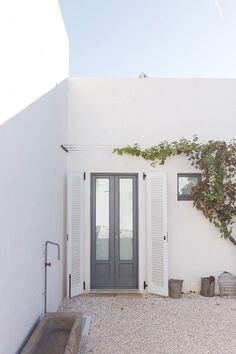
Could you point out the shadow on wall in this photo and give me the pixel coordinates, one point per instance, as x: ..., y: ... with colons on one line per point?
x: 29, y: 335
x: 32, y: 207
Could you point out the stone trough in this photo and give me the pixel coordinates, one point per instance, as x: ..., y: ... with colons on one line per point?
x: 56, y: 333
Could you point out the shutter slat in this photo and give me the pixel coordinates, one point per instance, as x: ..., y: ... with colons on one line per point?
x: 75, y: 233
x: 156, y: 230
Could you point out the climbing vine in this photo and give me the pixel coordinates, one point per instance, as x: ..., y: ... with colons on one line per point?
x: 215, y: 194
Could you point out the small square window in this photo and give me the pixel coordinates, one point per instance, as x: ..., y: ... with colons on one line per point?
x: 185, y: 183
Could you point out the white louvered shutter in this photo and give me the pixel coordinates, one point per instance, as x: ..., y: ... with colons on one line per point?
x: 157, y: 261
x: 75, y: 230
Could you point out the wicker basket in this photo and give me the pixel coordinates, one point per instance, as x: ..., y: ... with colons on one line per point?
x: 227, y: 283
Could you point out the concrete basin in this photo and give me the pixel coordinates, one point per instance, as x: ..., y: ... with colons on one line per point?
x: 56, y: 333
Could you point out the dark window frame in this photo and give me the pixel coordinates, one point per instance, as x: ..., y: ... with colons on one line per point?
x: 185, y: 196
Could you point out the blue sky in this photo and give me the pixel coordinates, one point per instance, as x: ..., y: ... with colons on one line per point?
x: 163, y: 38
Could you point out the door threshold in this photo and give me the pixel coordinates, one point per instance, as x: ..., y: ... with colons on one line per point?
x: 115, y: 291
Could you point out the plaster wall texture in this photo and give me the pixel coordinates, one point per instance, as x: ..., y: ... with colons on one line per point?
x: 34, y: 52
x: 104, y: 113
x: 98, y: 114
x: 34, y: 59
x: 32, y: 209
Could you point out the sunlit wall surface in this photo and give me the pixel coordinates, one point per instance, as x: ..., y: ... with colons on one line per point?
x: 34, y: 52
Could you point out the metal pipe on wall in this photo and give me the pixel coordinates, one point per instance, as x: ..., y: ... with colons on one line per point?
x: 48, y: 264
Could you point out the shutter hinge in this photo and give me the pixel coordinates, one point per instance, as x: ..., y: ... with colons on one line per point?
x: 84, y: 285
x: 64, y: 148
x: 69, y: 286
x: 67, y: 237
x: 84, y: 176
x: 145, y: 285
x: 166, y: 237
x: 144, y: 176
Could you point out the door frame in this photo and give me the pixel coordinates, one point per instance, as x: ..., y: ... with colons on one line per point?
x: 135, y: 222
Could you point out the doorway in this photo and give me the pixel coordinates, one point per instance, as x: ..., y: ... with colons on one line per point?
x: 114, y: 231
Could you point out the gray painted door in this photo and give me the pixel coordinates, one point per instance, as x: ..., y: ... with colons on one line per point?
x: 114, y: 231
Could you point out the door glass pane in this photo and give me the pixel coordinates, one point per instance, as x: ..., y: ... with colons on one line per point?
x: 126, y: 219
x: 102, y: 219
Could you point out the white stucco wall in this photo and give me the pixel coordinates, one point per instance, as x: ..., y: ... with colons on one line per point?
x: 98, y: 114
x: 32, y: 209
x: 34, y: 52
x: 34, y: 59
x: 112, y: 112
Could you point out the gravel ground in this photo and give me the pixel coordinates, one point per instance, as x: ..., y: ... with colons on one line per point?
x: 150, y: 324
